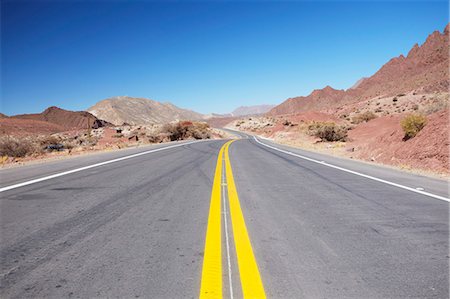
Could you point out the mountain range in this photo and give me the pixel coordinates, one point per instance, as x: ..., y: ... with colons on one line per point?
x: 251, y: 110
x: 65, y: 118
x: 423, y: 70
x: 140, y: 111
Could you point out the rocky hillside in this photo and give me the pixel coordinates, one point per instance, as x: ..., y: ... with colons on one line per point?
x: 251, y: 110
x: 68, y: 120
x: 423, y: 70
x: 22, y: 127
x: 140, y: 111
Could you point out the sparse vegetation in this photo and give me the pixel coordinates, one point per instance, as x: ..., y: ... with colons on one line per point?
x: 413, y: 124
x: 363, y: 117
x: 286, y: 123
x: 48, y: 140
x: 16, y: 148
x: 437, y: 105
x: 180, y: 131
x: 328, y: 131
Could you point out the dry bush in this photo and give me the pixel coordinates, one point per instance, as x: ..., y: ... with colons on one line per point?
x: 86, y: 140
x: 412, y: 124
x: 48, y: 140
x: 437, y: 105
x: 363, y: 117
x: 186, y: 130
x: 154, y: 138
x: 13, y: 147
x: 328, y: 131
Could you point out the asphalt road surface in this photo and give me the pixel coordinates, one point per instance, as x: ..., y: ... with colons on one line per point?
x: 204, y: 219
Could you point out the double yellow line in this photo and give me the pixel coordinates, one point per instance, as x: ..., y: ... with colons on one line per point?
x: 211, y: 284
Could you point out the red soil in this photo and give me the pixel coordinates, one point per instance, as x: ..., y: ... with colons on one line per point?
x: 302, y: 117
x: 313, y: 116
x: 109, y: 138
x: 423, y: 70
x: 24, y: 127
x: 69, y: 120
x: 220, y: 122
x: 381, y: 140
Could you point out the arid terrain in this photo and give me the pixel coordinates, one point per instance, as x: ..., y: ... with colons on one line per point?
x: 140, y: 111
x: 251, y: 110
x: 369, y: 121
x: 224, y: 149
x: 57, y: 133
x: 365, y: 121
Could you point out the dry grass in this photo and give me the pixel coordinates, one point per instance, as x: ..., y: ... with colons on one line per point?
x: 413, y: 124
x: 363, y: 117
x: 438, y: 104
x: 181, y: 131
x: 328, y: 131
x: 16, y: 148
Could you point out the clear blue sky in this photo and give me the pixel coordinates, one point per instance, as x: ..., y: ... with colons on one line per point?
x: 206, y: 56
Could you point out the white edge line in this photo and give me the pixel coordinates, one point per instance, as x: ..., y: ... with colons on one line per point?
x: 26, y: 183
x: 356, y: 173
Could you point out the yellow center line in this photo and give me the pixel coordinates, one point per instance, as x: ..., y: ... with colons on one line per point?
x: 252, y: 286
x: 211, y: 286
x: 211, y: 283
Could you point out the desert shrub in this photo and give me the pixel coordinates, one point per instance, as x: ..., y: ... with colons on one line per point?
x: 12, y: 147
x: 200, y: 131
x: 186, y: 130
x: 286, y: 123
x: 154, y: 138
x: 436, y: 106
x: 175, y: 131
x: 412, y: 124
x: 69, y: 145
x: 87, y: 140
x: 363, y: 117
x: 48, y: 140
x: 328, y: 131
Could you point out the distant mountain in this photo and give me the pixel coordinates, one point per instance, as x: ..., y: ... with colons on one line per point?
x: 216, y: 115
x: 358, y: 83
x: 423, y: 70
x: 317, y: 100
x: 139, y: 111
x: 251, y: 110
x: 65, y: 119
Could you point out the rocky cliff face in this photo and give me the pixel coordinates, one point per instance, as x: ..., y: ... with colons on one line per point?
x: 140, y: 111
x: 425, y: 69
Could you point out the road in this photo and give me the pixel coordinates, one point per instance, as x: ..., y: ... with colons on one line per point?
x: 219, y: 218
